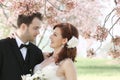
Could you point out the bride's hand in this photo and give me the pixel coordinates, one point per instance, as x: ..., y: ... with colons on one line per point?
x: 46, y: 55
x: 12, y: 35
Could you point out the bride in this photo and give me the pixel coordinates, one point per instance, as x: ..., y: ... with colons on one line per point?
x: 60, y: 64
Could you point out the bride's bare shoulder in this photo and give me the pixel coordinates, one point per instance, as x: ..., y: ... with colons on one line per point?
x: 67, y: 62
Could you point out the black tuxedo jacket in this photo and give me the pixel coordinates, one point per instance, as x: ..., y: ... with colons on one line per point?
x: 12, y: 64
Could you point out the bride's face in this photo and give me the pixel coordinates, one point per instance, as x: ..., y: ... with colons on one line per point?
x: 56, y: 39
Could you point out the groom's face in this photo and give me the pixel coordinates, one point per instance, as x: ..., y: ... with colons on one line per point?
x: 32, y: 30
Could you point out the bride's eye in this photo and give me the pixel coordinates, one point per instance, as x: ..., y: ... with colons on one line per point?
x: 54, y: 34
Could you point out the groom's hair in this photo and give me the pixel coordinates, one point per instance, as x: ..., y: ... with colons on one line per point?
x: 28, y: 19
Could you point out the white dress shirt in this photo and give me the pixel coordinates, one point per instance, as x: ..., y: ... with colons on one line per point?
x: 24, y: 49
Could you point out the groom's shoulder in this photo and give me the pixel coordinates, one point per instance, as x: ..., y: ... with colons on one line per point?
x: 34, y: 46
x: 5, y: 40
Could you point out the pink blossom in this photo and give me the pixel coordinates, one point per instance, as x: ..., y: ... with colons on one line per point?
x: 26, y: 7
x: 1, y: 1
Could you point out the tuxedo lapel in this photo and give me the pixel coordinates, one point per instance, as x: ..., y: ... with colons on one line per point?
x: 17, y: 53
x: 29, y: 56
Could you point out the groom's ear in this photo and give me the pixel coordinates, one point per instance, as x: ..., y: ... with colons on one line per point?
x: 23, y: 26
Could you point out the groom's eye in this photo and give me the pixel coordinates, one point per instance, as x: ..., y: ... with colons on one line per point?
x: 36, y: 28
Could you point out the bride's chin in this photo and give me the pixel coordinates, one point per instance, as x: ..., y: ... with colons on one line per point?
x: 52, y: 46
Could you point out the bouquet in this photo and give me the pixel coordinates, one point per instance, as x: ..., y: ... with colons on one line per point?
x: 39, y: 75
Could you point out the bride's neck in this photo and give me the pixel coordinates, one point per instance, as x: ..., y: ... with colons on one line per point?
x: 55, y: 54
x: 57, y: 51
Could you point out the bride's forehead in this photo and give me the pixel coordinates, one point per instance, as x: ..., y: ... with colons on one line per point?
x: 57, y: 30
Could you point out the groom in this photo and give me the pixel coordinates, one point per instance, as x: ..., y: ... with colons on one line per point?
x: 17, y: 60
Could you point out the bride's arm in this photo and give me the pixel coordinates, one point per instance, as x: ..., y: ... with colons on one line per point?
x: 69, y: 70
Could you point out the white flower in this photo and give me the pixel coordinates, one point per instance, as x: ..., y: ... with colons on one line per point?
x: 26, y: 77
x: 73, y: 42
x: 37, y: 76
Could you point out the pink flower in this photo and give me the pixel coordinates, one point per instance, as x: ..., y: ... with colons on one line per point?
x: 1, y: 1
x: 25, y: 7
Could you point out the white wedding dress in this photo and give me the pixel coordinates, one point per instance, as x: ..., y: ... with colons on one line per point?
x: 49, y: 71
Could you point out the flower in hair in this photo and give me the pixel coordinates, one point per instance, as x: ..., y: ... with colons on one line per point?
x: 25, y: 7
x: 73, y: 42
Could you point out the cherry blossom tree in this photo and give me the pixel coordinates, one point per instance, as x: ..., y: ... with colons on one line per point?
x: 84, y: 14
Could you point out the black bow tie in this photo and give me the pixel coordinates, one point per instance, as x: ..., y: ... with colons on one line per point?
x: 23, y: 45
